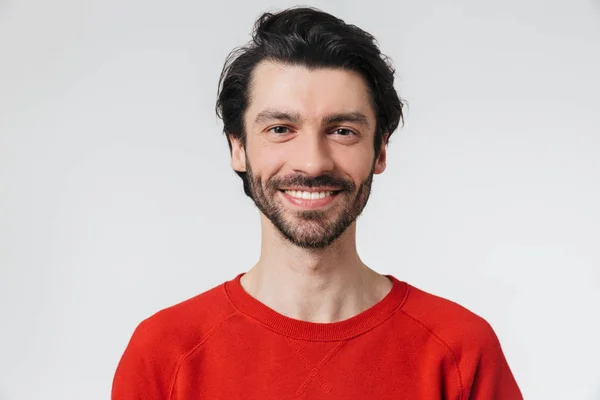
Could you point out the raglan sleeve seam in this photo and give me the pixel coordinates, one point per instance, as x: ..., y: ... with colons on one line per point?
x: 451, y: 353
x: 195, y: 348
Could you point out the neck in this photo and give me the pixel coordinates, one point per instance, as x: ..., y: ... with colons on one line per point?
x: 317, y: 285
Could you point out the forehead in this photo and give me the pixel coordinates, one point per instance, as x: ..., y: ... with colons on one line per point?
x: 312, y: 93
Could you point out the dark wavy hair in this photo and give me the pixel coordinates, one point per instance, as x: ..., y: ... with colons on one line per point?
x: 315, y: 39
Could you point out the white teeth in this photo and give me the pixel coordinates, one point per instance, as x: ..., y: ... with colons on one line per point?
x: 299, y: 194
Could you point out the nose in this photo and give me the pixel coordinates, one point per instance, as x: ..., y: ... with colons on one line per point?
x: 311, y: 154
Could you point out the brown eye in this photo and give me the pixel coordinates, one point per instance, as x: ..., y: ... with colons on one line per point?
x: 343, y: 132
x: 279, y: 130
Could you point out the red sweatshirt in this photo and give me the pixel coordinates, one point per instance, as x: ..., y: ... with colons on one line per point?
x: 224, y: 344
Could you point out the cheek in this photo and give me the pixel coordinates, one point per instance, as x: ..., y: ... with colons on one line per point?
x: 357, y: 164
x: 265, y: 161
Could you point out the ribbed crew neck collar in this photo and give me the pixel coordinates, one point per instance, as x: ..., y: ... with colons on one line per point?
x: 334, y: 331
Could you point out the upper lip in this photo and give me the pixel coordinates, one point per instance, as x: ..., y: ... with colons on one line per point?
x: 311, y: 190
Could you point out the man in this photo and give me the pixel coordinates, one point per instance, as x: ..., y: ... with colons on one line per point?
x: 308, y: 107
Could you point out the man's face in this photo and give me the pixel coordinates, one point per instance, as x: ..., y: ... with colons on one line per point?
x: 309, y: 152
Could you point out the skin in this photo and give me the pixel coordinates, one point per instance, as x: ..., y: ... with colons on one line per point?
x: 309, y: 268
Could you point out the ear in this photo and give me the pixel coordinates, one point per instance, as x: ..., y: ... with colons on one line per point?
x: 381, y: 159
x: 238, y: 153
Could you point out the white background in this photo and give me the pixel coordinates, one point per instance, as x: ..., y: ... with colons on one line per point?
x: 117, y: 198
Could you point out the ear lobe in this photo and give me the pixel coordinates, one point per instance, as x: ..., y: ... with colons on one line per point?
x: 238, y: 154
x: 380, y: 163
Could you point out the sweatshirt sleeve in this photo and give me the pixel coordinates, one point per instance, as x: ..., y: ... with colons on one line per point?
x: 144, y: 371
x: 491, y: 376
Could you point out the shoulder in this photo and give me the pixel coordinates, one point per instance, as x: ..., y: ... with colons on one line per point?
x: 470, y: 343
x: 182, y: 326
x: 453, y: 325
x: 162, y: 341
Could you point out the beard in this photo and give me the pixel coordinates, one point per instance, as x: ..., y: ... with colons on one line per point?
x: 310, y: 229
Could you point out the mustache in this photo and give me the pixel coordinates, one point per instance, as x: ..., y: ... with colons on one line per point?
x: 311, y: 182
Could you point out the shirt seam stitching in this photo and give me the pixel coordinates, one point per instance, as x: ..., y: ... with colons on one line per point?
x: 314, y: 371
x: 387, y: 317
x: 453, y: 357
x: 186, y: 355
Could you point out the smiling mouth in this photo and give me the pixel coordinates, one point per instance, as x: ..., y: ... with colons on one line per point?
x: 310, y: 195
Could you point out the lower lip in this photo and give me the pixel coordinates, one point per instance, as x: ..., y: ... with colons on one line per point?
x: 310, y: 204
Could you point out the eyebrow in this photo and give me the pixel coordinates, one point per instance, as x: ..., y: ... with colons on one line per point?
x: 356, y: 117
x: 334, y: 118
x: 270, y: 115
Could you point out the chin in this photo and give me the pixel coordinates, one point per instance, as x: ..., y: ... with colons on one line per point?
x: 310, y: 235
